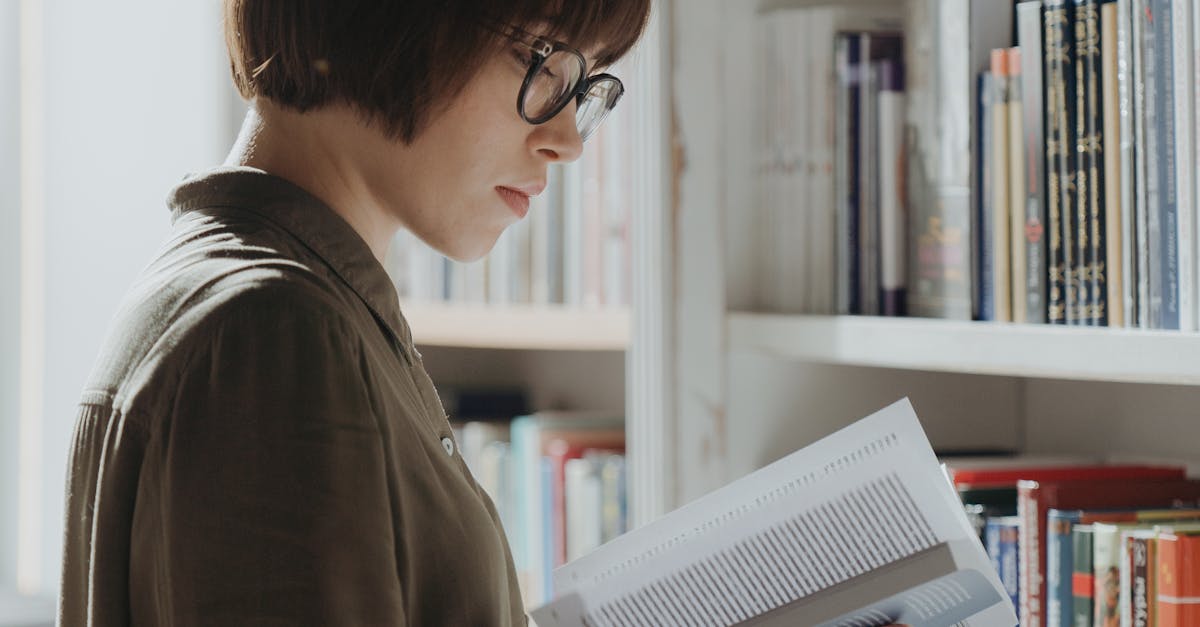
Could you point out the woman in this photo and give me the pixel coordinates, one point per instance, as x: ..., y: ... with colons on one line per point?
x: 259, y: 443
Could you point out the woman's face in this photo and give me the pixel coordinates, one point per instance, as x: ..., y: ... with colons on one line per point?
x: 468, y: 175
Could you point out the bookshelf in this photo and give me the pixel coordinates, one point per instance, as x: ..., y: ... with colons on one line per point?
x: 751, y: 385
x: 518, y: 327
x: 1084, y: 354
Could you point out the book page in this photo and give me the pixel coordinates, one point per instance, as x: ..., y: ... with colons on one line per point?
x: 865, y: 497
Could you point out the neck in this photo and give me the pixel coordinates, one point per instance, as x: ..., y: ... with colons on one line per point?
x: 300, y: 148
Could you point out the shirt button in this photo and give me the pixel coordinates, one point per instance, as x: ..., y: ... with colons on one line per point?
x: 448, y: 444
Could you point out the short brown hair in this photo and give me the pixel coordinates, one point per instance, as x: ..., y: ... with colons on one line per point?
x: 397, y: 60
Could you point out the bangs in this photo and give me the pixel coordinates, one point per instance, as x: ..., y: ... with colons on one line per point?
x: 608, y: 29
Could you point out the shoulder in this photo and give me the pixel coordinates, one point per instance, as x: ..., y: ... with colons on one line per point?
x: 257, y: 328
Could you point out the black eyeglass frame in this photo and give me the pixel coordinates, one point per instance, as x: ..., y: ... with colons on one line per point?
x: 542, y: 49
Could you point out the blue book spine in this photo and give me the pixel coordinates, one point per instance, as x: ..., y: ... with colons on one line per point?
x: 985, y: 306
x: 524, y: 454
x: 1001, y: 540
x: 547, y: 540
x: 1168, y: 233
x: 1060, y: 562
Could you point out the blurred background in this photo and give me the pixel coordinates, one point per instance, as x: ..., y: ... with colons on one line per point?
x: 104, y: 106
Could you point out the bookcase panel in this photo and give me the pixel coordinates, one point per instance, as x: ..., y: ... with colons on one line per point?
x: 1131, y: 421
x: 553, y: 379
x: 777, y: 406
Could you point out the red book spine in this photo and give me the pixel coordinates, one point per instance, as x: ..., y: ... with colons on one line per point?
x: 1178, y: 580
x: 1009, y: 476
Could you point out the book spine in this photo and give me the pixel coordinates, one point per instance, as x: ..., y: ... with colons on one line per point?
x: 942, y: 149
x: 1032, y: 550
x: 893, y: 211
x: 849, y: 63
x: 984, y: 257
x: 1141, y: 196
x: 998, y: 218
x: 1002, y: 546
x: 1060, y: 183
x: 1106, y: 569
x: 1177, y: 581
x: 1029, y: 38
x: 1112, y: 271
x: 868, y: 160
x: 1082, y: 247
x: 1060, y: 564
x: 1082, y: 579
x: 1129, y: 271
x: 1138, y: 608
x: 1165, y: 130
x: 1152, y: 67
x: 1018, y: 257
x: 1183, y: 141
x: 1093, y: 146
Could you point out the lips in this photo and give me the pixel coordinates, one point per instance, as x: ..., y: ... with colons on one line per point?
x: 517, y: 196
x: 517, y: 200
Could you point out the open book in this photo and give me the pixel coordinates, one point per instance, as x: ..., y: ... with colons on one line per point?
x: 860, y: 529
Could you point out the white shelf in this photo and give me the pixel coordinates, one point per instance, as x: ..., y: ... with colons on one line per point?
x: 1043, y: 351
x: 518, y: 327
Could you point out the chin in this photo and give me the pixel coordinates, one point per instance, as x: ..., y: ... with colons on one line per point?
x: 469, y: 250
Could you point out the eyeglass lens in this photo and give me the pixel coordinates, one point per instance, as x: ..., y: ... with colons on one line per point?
x: 554, y: 82
x: 556, y: 77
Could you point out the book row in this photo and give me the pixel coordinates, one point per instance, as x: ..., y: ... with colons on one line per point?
x: 1037, y: 165
x: 558, y: 482
x: 1082, y: 544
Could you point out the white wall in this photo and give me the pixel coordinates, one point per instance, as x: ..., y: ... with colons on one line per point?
x: 135, y: 98
x: 9, y: 273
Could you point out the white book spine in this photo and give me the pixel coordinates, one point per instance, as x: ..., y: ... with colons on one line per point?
x: 572, y: 234
x: 892, y: 209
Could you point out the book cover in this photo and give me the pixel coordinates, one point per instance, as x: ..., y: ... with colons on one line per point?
x: 1002, y: 549
x: 1035, y: 498
x: 1178, y: 578
x: 1060, y: 174
x: 1083, y: 595
x: 1029, y: 41
x: 944, y: 60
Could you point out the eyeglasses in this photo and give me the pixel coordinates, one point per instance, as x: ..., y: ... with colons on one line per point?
x: 558, y: 73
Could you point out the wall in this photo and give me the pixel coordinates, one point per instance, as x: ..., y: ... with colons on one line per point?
x: 135, y: 98
x: 9, y: 277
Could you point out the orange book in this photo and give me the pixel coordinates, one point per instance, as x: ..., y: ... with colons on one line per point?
x: 1178, y: 580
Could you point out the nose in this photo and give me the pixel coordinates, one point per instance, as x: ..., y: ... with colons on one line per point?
x: 558, y: 140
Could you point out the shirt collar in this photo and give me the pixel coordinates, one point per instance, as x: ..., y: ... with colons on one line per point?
x: 307, y: 219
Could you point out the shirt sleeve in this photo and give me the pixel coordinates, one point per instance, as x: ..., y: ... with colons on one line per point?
x: 272, y: 499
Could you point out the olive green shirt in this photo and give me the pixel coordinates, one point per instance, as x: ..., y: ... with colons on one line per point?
x: 259, y: 443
